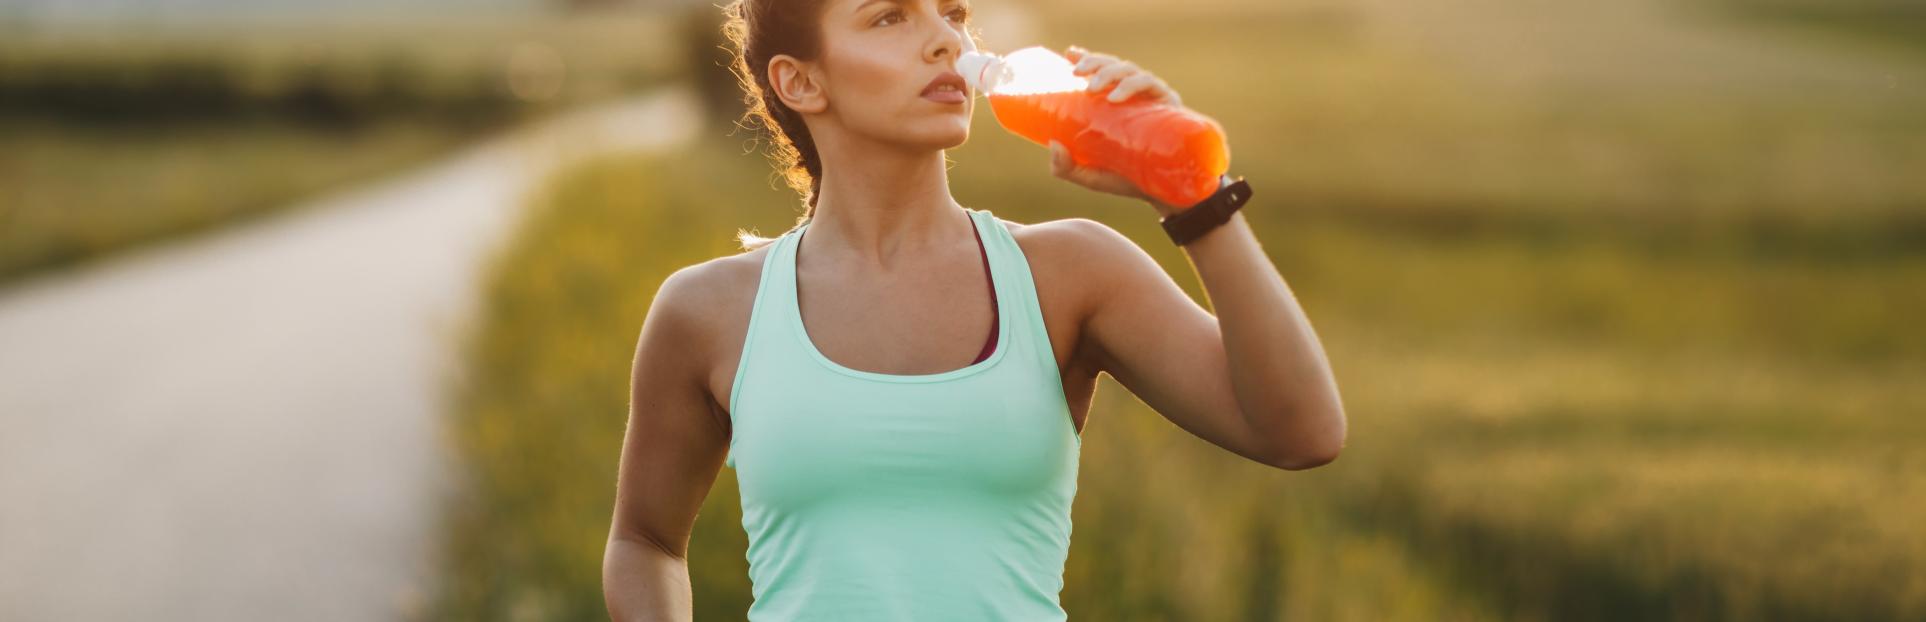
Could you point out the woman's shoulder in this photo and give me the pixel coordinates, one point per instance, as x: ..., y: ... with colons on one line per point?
x: 1076, y: 261
x: 718, y: 282
x: 1079, y: 245
x: 713, y: 297
x: 1061, y: 235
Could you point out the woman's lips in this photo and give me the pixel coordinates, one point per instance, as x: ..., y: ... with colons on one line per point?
x: 945, y: 96
x: 947, y: 88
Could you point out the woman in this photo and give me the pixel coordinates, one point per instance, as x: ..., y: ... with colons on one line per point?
x: 882, y: 476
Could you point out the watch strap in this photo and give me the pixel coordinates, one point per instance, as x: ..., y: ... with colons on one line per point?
x: 1215, y: 210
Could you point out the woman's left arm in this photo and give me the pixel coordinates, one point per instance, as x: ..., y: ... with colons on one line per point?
x: 1253, y: 378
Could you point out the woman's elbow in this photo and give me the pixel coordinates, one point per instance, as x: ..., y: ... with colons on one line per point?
x: 1306, y: 461
x: 1309, y: 451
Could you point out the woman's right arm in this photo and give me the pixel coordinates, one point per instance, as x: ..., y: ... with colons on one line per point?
x: 671, y: 453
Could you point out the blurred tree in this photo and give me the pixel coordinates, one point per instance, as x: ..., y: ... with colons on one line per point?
x: 707, y: 55
x: 596, y: 5
x: 589, y: 5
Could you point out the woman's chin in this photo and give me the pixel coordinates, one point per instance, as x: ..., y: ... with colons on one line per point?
x: 940, y: 140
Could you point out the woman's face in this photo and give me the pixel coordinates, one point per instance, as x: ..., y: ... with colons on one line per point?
x: 878, y: 61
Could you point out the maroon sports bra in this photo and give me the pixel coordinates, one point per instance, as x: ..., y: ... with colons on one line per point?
x: 989, y: 346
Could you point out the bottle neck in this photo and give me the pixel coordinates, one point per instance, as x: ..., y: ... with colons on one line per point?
x: 982, y: 71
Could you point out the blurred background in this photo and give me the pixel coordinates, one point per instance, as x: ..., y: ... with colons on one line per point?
x: 328, y: 311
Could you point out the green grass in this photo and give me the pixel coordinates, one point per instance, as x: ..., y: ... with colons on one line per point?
x: 1618, y: 339
x: 1898, y: 25
x: 72, y: 194
x: 333, y: 69
x: 116, y: 138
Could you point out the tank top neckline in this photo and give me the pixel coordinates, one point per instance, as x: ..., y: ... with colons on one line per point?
x: 998, y: 274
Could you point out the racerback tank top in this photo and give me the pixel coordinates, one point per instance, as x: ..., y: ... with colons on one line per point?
x: 931, y: 497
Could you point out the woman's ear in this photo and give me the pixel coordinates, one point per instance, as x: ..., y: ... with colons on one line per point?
x: 796, y: 85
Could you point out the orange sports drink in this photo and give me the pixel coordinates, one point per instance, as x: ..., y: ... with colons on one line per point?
x: 1173, y: 153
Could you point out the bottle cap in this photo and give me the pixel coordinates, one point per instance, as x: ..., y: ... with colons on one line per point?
x: 978, y: 70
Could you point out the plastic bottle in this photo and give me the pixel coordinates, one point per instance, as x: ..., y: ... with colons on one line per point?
x: 1173, y: 153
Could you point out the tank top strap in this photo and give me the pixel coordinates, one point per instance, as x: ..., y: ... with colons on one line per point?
x: 1012, y: 267
x: 765, y: 329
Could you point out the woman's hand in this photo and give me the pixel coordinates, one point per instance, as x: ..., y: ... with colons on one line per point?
x: 1124, y: 80
x: 1105, y: 70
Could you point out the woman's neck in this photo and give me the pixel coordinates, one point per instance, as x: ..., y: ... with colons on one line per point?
x: 879, y: 204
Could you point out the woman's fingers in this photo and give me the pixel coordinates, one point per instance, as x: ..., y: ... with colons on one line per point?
x: 1059, y: 159
x: 1142, y: 83
x: 1111, y: 74
x: 1064, y: 167
x: 1089, y: 61
x: 1105, y: 71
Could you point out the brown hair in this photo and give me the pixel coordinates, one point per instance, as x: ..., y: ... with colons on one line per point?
x: 759, y: 30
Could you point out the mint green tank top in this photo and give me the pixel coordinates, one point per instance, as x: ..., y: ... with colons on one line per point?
x: 871, y: 497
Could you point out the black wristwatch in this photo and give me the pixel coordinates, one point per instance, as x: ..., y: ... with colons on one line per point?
x: 1208, y: 214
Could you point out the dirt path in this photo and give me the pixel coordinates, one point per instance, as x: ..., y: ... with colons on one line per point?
x: 243, y: 426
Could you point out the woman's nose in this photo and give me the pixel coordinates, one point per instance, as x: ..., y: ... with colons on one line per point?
x: 945, y: 45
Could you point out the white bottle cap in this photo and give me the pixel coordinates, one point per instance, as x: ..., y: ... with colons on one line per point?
x: 979, y: 69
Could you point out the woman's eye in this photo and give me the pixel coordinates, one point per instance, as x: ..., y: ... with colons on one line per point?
x: 960, y: 15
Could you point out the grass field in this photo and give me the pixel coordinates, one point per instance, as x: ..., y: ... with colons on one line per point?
x: 1622, y: 303
x: 117, y: 136
x: 70, y: 194
x: 1897, y: 25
